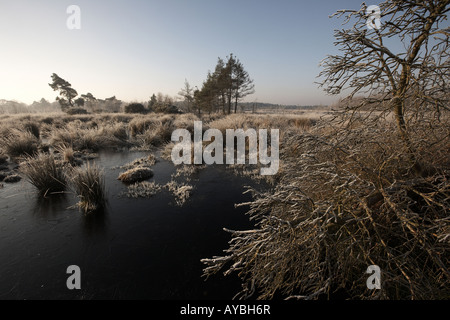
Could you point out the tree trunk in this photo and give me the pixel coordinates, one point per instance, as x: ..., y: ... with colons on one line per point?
x: 399, y: 111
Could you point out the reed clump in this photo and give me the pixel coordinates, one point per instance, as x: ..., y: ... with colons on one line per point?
x: 89, y: 184
x: 347, y: 199
x: 45, y: 173
x: 136, y: 174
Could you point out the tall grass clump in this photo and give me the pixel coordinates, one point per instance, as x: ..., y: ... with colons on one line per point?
x: 89, y: 183
x: 19, y: 143
x: 137, y: 174
x: 139, y: 125
x: 32, y: 128
x: 81, y: 138
x: 156, y: 136
x: 45, y: 174
x: 348, y: 199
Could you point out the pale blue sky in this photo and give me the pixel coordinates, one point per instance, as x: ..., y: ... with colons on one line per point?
x: 134, y: 48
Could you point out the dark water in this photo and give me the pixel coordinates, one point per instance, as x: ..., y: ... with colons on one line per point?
x: 136, y: 249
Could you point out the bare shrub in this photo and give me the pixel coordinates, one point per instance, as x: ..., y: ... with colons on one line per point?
x: 187, y: 171
x: 139, y: 125
x: 185, y: 121
x: 89, y: 183
x: 181, y: 191
x: 77, y: 135
x: 348, y: 199
x: 156, y: 136
x: 118, y: 131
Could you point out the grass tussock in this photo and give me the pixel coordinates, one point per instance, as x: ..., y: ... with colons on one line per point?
x: 166, y: 152
x: 249, y: 121
x: 139, y: 125
x: 67, y: 153
x: 143, y: 189
x: 19, y: 143
x: 89, y: 183
x: 187, y: 171
x: 84, y: 136
x: 44, y: 172
x: 137, y: 174
x: 156, y: 136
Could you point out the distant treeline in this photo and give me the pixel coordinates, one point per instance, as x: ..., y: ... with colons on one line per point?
x: 272, y: 106
x: 107, y: 105
x: 114, y: 105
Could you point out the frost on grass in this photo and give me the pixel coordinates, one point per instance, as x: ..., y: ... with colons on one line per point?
x: 89, y: 183
x: 253, y: 172
x: 142, y: 189
x: 137, y: 174
x: 147, y: 161
x: 13, y: 178
x: 181, y: 191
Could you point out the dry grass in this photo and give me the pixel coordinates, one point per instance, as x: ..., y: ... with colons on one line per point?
x: 45, y: 174
x: 3, y: 158
x: 19, y: 143
x: 136, y: 175
x: 146, y: 161
x: 89, y: 183
x: 143, y: 189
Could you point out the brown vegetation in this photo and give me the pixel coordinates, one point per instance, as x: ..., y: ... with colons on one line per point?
x: 137, y: 174
x: 44, y: 172
x: 89, y: 183
x: 348, y: 199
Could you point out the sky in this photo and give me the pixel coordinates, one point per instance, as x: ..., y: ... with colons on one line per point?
x: 132, y: 49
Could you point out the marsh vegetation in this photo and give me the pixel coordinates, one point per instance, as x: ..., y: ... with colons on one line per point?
x: 365, y: 184
x: 344, y: 196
